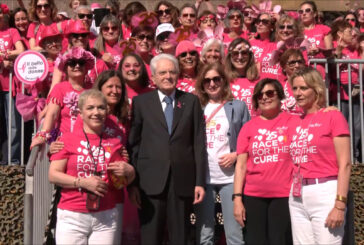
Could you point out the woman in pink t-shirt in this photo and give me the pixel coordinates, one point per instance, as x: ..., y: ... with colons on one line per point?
x: 134, y: 75
x: 19, y: 19
x: 240, y: 65
x: 90, y: 169
x: 263, y: 171
x: 320, y: 150
x: 188, y: 59
x: 62, y: 109
x: 107, y: 43
x: 234, y: 27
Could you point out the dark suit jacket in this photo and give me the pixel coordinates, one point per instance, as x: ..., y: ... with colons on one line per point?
x: 154, y: 153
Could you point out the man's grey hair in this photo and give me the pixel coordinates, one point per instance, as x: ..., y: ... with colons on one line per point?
x: 87, y: 7
x: 156, y: 59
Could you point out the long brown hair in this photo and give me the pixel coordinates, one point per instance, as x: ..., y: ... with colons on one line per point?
x: 33, y: 10
x: 199, y: 86
x: 121, y: 109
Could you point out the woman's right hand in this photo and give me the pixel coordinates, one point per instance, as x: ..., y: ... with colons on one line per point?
x: 56, y: 146
x: 37, y: 141
x: 94, y: 184
x: 239, y: 211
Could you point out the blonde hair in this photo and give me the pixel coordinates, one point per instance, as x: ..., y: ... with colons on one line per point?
x: 313, y: 80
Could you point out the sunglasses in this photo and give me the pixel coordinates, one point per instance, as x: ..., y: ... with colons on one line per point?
x: 234, y: 16
x: 77, y: 35
x: 190, y: 15
x: 263, y: 21
x: 107, y: 28
x: 73, y: 62
x: 184, y: 54
x: 162, y: 12
x: 348, y: 20
x: 294, y: 62
x: 247, y: 13
x: 45, y: 6
x: 283, y: 27
x: 236, y: 53
x: 307, y: 11
x: 141, y: 37
x: 88, y: 16
x: 269, y: 93
x: 217, y: 80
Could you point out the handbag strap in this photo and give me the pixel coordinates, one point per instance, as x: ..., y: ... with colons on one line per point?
x: 214, y: 112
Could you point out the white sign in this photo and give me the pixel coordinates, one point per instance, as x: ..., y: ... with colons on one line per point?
x: 31, y: 67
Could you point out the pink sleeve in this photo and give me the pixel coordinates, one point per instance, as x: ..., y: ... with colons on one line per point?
x: 15, y: 35
x: 31, y: 30
x: 243, y: 140
x: 338, y: 124
x: 56, y: 96
x: 325, y: 30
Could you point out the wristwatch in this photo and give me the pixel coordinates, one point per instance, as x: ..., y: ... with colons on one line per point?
x: 236, y: 195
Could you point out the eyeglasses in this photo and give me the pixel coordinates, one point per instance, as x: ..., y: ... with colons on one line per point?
x: 217, y: 80
x: 234, y: 16
x: 88, y: 16
x: 263, y: 21
x: 162, y: 12
x: 269, y: 93
x: 292, y: 63
x: 77, y: 35
x: 236, y: 53
x: 107, y: 28
x: 184, y: 54
x: 307, y: 11
x: 141, y: 37
x: 283, y: 27
x: 190, y: 15
x: 45, y: 6
x: 73, y: 62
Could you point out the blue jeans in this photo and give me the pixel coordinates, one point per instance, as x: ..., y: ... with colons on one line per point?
x: 15, y: 128
x: 205, y: 216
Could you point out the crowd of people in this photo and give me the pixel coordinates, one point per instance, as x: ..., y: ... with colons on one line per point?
x: 150, y: 114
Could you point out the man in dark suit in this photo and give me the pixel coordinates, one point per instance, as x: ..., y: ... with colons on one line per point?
x: 168, y: 151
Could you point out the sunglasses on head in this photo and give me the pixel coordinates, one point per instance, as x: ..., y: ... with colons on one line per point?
x: 166, y: 11
x: 77, y: 35
x: 263, y: 21
x: 234, y: 16
x: 184, y: 54
x: 308, y: 10
x: 217, y: 80
x: 288, y: 27
x: 74, y: 62
x: 294, y: 62
x: 45, y: 6
x: 236, y: 53
x: 82, y: 16
x: 107, y: 28
x: 269, y: 93
x: 141, y: 37
x: 191, y: 15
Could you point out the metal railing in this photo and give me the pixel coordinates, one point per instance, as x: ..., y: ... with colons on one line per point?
x: 336, y: 63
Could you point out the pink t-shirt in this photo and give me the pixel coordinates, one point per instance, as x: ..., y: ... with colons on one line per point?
x: 269, y: 166
x: 8, y: 38
x: 226, y: 40
x: 258, y: 47
x: 136, y: 91
x: 116, y: 52
x: 126, y: 32
x: 316, y: 37
x: 35, y: 30
x: 312, y: 144
x: 66, y: 97
x: 96, y: 71
x: 186, y: 85
x: 268, y: 70
x: 243, y: 89
x: 80, y: 164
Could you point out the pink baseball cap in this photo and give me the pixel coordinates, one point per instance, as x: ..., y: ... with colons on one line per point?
x: 185, y: 46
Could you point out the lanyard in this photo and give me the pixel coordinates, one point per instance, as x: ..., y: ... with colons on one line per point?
x: 90, y: 152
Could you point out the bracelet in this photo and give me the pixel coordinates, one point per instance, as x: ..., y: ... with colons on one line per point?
x: 341, y: 209
x: 79, y: 184
x: 43, y: 134
x: 74, y: 182
x: 236, y: 195
x: 341, y: 199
